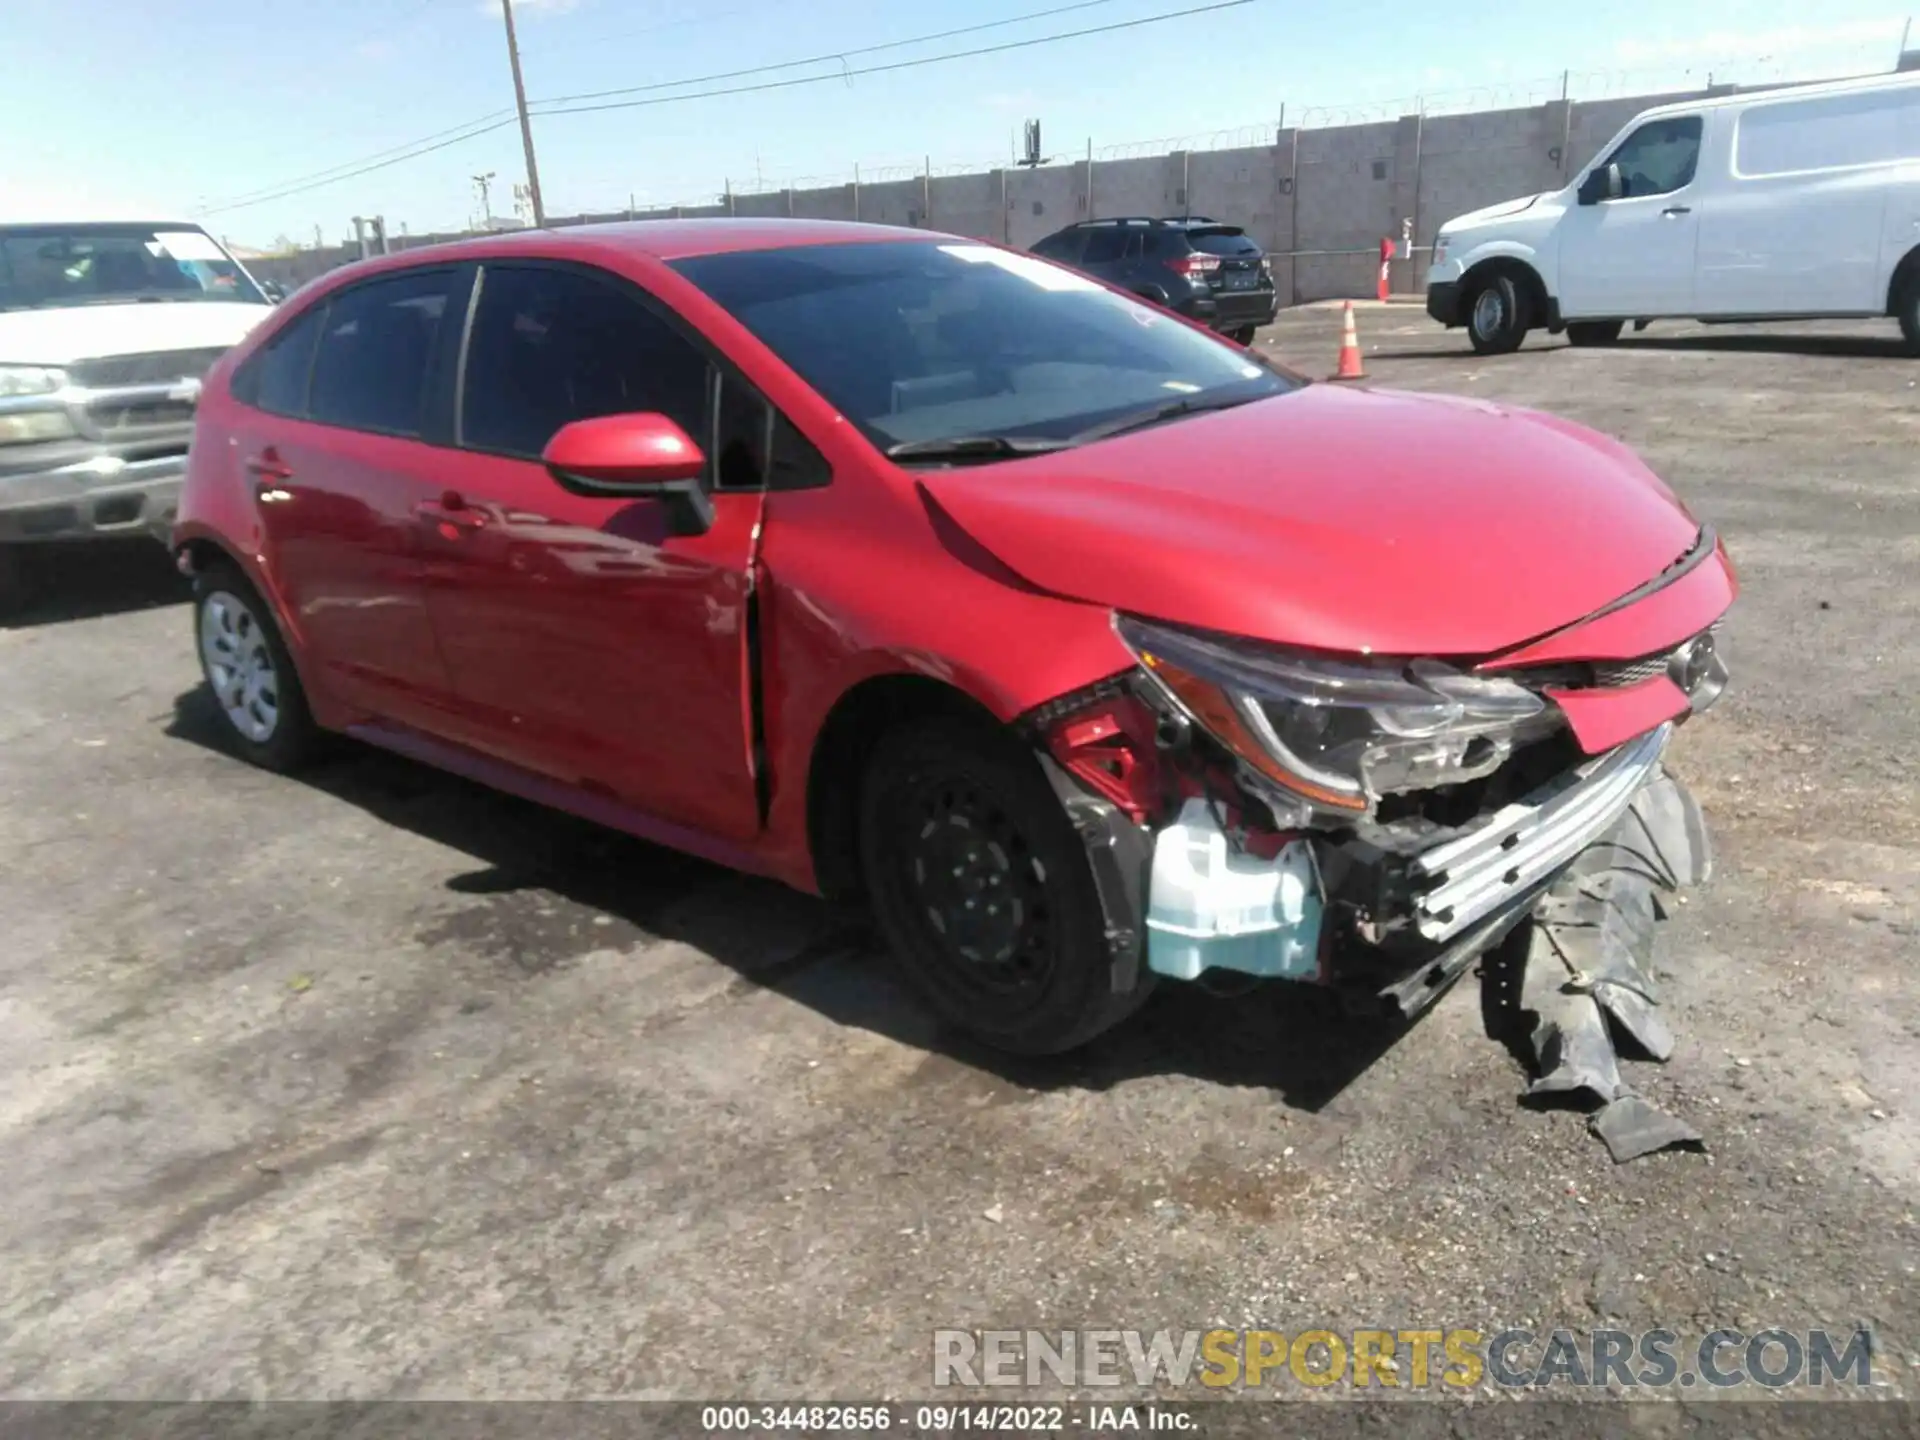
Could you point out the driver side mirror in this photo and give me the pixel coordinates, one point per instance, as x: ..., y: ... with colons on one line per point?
x: 634, y: 457
x: 1603, y: 183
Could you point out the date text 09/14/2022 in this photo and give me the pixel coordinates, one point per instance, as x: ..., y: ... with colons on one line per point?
x: 943, y: 1419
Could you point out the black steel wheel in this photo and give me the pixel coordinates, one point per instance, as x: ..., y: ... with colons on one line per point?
x: 982, y: 889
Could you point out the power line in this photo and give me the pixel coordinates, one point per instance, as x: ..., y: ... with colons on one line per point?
x: 326, y: 177
x: 472, y: 132
x: 487, y: 124
x: 840, y: 55
x: 483, y: 124
x: 902, y: 64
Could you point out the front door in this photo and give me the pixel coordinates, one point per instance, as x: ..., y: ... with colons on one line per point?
x: 334, y: 449
x: 1633, y: 256
x: 587, y: 642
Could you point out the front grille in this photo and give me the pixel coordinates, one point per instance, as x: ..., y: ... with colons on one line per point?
x: 159, y: 367
x: 1613, y: 674
x: 112, y: 418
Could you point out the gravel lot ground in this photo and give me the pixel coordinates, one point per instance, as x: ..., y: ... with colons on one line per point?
x: 375, y: 1084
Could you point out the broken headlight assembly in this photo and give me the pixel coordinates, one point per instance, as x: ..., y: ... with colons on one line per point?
x: 1335, y: 734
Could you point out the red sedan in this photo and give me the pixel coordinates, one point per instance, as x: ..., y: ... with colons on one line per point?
x: 1086, y: 646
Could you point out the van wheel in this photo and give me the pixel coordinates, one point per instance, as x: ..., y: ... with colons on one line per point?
x: 16, y: 580
x: 1497, y: 317
x: 1242, y: 336
x: 1594, y: 332
x: 1908, y: 309
x: 262, y: 708
x: 981, y: 887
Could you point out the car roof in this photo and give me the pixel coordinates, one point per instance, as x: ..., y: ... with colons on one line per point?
x: 667, y: 239
x: 1172, y: 222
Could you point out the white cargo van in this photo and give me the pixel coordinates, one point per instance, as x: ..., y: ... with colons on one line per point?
x: 106, y: 327
x: 1797, y: 203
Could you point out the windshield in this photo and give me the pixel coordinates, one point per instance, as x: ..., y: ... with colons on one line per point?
x: 926, y: 342
x: 45, y: 267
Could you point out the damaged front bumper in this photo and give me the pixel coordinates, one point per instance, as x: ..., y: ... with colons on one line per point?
x: 1211, y: 907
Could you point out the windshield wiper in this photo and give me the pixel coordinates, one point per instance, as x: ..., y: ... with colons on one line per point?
x: 961, y: 448
x: 1140, y: 419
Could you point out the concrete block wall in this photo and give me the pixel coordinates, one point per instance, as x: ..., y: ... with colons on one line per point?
x: 1319, y: 199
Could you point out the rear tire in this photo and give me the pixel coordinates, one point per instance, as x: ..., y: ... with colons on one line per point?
x: 1907, y: 310
x: 1594, y: 332
x: 1498, y: 316
x: 981, y: 886
x: 263, y: 711
x: 16, y: 580
x: 1243, y: 336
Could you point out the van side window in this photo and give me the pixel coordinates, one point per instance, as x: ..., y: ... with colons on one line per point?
x: 1660, y: 156
x: 1833, y: 132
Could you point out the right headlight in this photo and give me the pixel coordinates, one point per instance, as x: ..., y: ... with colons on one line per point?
x: 30, y: 380
x: 1338, y: 733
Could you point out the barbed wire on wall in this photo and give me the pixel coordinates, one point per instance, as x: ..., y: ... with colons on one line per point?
x: 1577, y: 86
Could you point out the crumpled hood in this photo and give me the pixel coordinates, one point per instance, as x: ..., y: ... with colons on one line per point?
x: 85, y: 332
x: 1493, y: 212
x: 1335, y: 519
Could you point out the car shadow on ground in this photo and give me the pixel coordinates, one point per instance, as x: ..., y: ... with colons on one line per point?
x: 81, y: 582
x: 540, y: 872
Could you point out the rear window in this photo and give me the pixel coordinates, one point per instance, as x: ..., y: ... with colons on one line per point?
x: 1226, y: 240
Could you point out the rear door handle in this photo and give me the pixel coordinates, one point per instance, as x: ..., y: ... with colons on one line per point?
x: 269, y: 473
x: 1678, y: 210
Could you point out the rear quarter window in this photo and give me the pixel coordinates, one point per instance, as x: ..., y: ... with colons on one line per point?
x: 275, y: 378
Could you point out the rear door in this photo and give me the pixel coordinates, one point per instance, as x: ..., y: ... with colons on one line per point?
x: 1798, y: 228
x: 342, y: 445
x: 1633, y: 257
x: 587, y: 642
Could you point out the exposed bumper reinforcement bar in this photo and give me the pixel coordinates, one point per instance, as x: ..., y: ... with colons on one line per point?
x: 1483, y: 871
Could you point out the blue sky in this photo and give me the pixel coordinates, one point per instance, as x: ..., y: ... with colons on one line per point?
x: 193, y: 106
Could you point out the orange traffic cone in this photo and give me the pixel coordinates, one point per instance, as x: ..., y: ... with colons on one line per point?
x: 1350, y: 367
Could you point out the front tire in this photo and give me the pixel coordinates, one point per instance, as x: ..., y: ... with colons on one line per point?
x: 1593, y: 332
x: 1243, y: 336
x: 1498, y: 316
x: 263, y: 711
x: 981, y: 887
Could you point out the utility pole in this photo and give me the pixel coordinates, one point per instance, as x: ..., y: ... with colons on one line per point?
x: 526, y: 125
x: 481, y: 182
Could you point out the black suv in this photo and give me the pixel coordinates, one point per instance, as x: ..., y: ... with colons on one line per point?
x: 1210, y: 272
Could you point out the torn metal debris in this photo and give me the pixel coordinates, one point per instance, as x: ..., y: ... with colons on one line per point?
x: 1586, y: 985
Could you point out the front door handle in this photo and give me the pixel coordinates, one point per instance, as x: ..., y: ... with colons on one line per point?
x: 1678, y: 210
x: 451, y: 513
